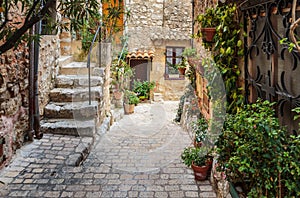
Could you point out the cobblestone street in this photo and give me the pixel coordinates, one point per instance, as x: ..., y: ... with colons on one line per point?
x: 138, y: 157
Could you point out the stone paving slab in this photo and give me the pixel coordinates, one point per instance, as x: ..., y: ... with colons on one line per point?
x: 43, y: 168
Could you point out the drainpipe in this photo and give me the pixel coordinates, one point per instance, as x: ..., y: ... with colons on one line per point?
x: 31, y: 93
x: 193, y: 21
x: 36, y: 115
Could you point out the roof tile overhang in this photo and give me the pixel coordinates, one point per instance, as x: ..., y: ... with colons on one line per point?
x: 138, y: 54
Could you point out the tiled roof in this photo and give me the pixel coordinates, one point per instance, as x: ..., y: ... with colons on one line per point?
x: 147, y: 54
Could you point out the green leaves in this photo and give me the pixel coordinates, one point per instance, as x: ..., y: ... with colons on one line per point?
x: 256, y: 150
x: 227, y: 49
x: 33, y: 11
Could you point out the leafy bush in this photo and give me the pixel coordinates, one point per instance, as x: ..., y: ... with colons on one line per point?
x: 200, y: 128
x: 130, y: 97
x: 143, y: 88
x: 197, y: 155
x: 255, y: 150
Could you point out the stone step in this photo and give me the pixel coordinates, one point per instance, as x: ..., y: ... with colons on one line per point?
x: 76, y: 68
x: 69, y: 110
x: 75, y: 95
x: 70, y: 81
x: 158, y: 97
x: 69, y: 127
x: 65, y: 60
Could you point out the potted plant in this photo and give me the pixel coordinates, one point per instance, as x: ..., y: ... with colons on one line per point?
x: 120, y: 74
x: 199, y: 129
x: 257, y: 153
x: 208, y: 22
x: 181, y: 67
x: 197, y: 159
x: 130, y: 100
x: 143, y: 88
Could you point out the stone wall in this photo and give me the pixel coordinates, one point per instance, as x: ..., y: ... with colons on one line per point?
x: 14, y: 82
x: 14, y: 86
x: 171, y: 89
x: 48, y: 67
x: 155, y: 24
x: 13, y: 99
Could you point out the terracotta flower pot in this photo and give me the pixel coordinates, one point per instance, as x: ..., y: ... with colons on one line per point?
x: 197, y: 144
x: 200, y: 172
x: 182, y: 70
x: 208, y: 34
x: 117, y: 95
x: 128, y: 108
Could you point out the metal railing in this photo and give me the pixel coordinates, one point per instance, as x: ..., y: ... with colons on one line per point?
x: 89, y: 60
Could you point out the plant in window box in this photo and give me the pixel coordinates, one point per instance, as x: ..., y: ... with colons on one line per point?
x: 181, y: 67
x: 130, y: 100
x: 198, y: 160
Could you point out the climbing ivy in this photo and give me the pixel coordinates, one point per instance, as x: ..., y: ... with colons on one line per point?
x: 226, y: 51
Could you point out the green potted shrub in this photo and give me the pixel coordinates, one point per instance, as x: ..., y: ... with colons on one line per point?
x: 208, y: 22
x: 197, y: 159
x: 256, y: 152
x: 143, y: 88
x: 181, y: 67
x: 130, y: 100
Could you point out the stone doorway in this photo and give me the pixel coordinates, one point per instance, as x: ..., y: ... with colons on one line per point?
x: 141, y: 69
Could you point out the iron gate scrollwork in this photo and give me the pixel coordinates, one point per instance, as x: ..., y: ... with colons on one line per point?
x: 271, y: 70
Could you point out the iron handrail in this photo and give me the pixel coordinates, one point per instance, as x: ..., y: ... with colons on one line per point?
x: 89, y: 60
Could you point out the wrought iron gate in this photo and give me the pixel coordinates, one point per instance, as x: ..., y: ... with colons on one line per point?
x: 271, y: 72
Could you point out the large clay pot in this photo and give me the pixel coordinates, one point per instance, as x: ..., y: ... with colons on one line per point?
x: 128, y: 108
x: 200, y: 172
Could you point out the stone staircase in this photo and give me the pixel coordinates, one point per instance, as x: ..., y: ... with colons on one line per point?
x: 69, y: 112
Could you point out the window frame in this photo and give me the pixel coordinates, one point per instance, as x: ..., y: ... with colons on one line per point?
x: 174, y: 57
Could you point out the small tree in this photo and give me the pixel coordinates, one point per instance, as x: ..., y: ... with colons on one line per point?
x: 12, y: 32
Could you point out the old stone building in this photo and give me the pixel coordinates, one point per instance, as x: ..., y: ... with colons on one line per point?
x: 164, y: 28
x: 55, y: 52
x: 14, y: 90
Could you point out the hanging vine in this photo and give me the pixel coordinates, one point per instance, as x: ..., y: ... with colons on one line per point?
x: 226, y: 51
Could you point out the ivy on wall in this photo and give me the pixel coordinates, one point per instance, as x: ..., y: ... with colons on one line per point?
x: 226, y: 49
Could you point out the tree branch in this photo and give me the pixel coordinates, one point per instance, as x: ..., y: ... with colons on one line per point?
x: 31, y: 10
x: 10, y: 42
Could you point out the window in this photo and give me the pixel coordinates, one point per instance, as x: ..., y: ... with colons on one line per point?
x: 173, y: 57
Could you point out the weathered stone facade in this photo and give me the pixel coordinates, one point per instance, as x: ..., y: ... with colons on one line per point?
x: 48, y: 67
x: 14, y: 89
x: 154, y: 25
x: 14, y: 99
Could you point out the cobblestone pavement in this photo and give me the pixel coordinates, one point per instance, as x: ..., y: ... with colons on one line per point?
x: 138, y: 157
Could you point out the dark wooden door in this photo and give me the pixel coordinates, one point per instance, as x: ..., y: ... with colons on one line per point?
x: 141, y: 70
